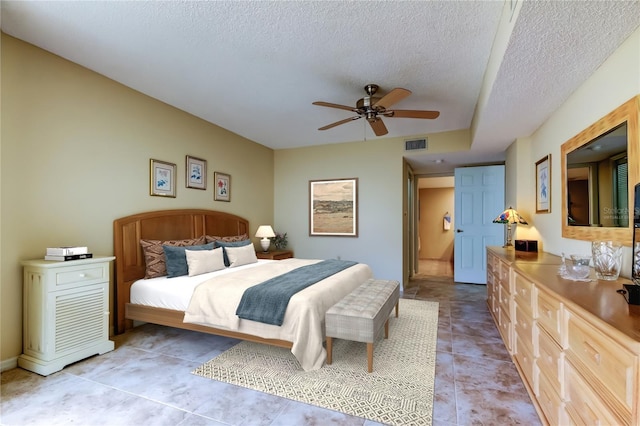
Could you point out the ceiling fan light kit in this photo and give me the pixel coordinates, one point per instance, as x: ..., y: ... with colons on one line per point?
x: 372, y: 107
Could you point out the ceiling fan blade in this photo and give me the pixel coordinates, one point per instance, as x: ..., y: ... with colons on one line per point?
x: 378, y: 127
x: 394, y: 96
x: 337, y: 123
x: 330, y: 105
x: 411, y: 113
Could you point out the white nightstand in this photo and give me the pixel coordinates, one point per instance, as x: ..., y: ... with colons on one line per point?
x: 66, y: 312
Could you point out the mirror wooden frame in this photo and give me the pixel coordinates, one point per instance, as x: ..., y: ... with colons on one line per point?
x: 629, y: 112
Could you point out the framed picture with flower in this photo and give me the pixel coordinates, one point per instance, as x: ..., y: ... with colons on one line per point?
x: 543, y: 185
x: 222, y: 190
x: 196, y: 173
x: 162, y: 178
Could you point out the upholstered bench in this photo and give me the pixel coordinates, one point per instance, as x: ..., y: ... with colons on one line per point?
x: 360, y: 315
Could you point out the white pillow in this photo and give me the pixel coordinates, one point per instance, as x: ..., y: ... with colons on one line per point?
x: 239, y: 256
x: 203, y: 261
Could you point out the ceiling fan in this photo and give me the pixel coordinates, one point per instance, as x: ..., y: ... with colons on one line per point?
x: 373, y: 107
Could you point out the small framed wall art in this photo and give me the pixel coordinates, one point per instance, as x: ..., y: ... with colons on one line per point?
x: 333, y: 207
x: 543, y: 185
x: 196, y: 173
x: 222, y: 190
x: 162, y: 178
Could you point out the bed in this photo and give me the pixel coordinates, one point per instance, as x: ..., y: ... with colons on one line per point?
x: 303, y: 328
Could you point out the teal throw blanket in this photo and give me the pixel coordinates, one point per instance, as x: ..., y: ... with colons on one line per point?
x: 267, y: 302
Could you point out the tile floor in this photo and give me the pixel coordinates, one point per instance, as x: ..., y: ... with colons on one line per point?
x: 146, y: 380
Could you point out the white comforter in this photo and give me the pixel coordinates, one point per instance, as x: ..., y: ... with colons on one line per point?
x: 214, y: 303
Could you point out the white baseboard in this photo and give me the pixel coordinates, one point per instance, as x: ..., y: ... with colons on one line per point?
x: 8, y: 364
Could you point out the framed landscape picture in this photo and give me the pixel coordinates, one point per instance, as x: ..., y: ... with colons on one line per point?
x: 196, y: 173
x: 333, y: 207
x: 222, y: 190
x: 543, y: 185
x: 162, y: 178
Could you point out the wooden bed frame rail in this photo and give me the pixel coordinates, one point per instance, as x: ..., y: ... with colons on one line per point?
x: 175, y: 319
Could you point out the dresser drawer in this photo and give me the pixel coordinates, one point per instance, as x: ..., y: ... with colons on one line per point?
x: 492, y: 264
x: 525, y: 328
x: 524, y: 292
x: 504, y: 326
x: 549, y: 314
x: 606, y: 363
x: 526, y: 361
x: 504, y: 296
x: 503, y: 273
x: 584, y: 406
x: 551, y: 361
x: 550, y: 402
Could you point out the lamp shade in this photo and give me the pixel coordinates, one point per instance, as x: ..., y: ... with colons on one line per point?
x: 510, y: 216
x: 265, y: 231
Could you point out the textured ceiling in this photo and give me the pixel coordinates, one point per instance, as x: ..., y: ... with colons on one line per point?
x: 255, y: 67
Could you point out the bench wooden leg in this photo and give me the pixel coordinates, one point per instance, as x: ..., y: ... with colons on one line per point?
x: 369, y: 357
x: 386, y: 329
x: 329, y: 349
x: 397, y: 307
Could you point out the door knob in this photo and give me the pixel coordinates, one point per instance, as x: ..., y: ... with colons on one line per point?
x: 459, y: 230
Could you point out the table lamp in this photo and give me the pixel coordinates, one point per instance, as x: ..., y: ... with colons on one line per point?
x: 265, y: 232
x: 510, y: 216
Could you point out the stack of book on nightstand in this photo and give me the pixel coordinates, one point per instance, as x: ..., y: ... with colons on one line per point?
x: 67, y: 253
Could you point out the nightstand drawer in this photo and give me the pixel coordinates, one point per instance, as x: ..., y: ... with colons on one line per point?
x: 81, y: 275
x: 275, y: 255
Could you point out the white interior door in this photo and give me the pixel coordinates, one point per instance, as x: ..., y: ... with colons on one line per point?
x: 479, y: 198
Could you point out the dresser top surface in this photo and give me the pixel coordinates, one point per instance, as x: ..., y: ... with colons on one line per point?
x: 598, y: 298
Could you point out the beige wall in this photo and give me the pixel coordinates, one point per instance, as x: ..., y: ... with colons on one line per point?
x: 436, y: 242
x: 75, y: 156
x: 613, y: 83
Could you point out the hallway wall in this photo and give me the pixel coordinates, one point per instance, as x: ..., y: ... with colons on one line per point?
x: 436, y: 242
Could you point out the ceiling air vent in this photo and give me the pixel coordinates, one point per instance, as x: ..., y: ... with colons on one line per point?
x: 415, y: 144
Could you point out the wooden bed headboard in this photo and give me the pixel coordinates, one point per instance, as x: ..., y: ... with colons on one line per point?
x: 160, y: 225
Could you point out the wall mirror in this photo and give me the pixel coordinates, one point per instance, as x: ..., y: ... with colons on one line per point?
x: 635, y: 252
x: 600, y: 168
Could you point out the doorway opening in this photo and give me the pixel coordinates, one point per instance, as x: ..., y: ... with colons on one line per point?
x: 435, y: 233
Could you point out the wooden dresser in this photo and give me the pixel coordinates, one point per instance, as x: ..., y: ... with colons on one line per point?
x: 575, y: 344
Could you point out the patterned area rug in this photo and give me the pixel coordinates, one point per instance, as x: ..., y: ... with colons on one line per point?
x: 398, y: 392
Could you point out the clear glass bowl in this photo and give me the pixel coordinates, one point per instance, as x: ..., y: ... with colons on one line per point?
x: 579, y: 266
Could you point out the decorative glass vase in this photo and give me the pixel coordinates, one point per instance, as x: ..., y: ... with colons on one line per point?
x: 607, y: 259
